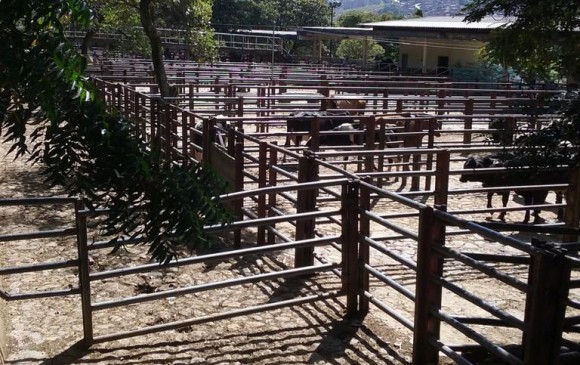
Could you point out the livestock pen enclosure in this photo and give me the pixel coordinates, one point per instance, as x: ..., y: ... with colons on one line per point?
x: 367, y: 252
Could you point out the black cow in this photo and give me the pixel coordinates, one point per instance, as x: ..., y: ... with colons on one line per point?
x: 506, y: 179
x: 302, y: 122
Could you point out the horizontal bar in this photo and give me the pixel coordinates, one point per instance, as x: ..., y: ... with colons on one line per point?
x: 43, y: 294
x: 488, y: 270
x: 213, y: 257
x: 480, y: 339
x: 211, y: 286
x: 480, y: 303
x: 39, y: 267
x: 382, y: 306
x: 392, y: 283
x: 216, y: 317
x: 37, y: 201
x: 40, y: 234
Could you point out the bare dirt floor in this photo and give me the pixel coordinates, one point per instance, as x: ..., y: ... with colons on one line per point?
x: 48, y: 331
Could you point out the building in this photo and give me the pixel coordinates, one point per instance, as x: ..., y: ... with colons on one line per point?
x: 434, y: 44
x: 427, y: 45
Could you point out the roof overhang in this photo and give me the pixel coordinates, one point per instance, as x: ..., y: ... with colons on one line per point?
x: 437, y: 27
x: 324, y: 33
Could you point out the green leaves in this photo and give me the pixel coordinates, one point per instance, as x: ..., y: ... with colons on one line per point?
x: 47, y: 112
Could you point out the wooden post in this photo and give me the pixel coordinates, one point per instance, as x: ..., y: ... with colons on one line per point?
x: 427, y: 293
x: 272, y: 178
x: 467, y: 123
x: 306, y: 202
x: 546, y: 301
x: 262, y: 174
x: 349, y: 241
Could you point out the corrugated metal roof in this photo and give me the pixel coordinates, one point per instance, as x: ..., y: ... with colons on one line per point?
x: 440, y: 22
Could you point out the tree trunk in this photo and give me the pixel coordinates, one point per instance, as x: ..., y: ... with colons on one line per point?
x: 156, y: 49
x: 86, y: 43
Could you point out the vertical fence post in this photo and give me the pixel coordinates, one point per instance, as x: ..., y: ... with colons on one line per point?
x: 385, y: 102
x: 369, y: 136
x: 364, y: 252
x: 430, y: 144
x: 349, y: 241
x: 262, y: 175
x: 416, y: 160
x: 572, y: 212
x: 468, y: 122
x: 167, y: 127
x: 207, y: 138
x: 185, y: 118
x: 84, y: 282
x: 154, y: 117
x: 427, y: 293
x: 546, y: 301
x: 137, y: 115
x: 306, y: 202
x: 272, y: 179
x: 239, y: 186
x: 440, y: 101
x: 442, y: 178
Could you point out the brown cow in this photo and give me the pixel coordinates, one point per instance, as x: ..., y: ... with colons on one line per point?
x: 353, y: 106
x: 418, y: 123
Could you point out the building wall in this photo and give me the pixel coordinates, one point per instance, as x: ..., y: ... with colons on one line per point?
x: 458, y: 51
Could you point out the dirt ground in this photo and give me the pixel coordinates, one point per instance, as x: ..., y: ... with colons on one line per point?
x: 48, y: 331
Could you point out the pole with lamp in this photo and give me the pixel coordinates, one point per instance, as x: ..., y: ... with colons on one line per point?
x: 333, y: 4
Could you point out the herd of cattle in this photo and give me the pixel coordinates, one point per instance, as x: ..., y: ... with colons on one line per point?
x: 340, y: 126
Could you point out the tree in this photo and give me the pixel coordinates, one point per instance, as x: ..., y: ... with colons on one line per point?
x: 541, y: 41
x: 50, y: 115
x: 229, y: 15
x: 354, y: 18
x: 352, y: 50
x: 139, y: 20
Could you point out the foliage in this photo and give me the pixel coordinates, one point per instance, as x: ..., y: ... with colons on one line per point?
x: 49, y: 113
x: 229, y: 15
x: 542, y: 39
x: 352, y: 50
x: 354, y: 18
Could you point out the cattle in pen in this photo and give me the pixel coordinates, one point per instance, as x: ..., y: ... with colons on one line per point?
x: 512, y: 181
x: 406, y: 130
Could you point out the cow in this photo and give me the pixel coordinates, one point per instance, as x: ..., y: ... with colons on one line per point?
x: 399, y: 133
x: 512, y: 180
x: 353, y: 106
x: 220, y: 137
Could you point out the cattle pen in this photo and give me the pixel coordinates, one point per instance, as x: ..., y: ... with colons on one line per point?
x: 336, y: 226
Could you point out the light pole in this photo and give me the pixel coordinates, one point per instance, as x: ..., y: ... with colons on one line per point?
x: 333, y: 4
